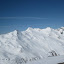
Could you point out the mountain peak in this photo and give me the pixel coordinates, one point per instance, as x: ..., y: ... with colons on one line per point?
x: 15, y: 32
x: 32, y: 43
x: 48, y: 28
x: 29, y: 29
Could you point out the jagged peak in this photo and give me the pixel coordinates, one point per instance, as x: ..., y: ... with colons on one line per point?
x: 29, y: 29
x: 16, y: 32
x: 38, y: 29
x: 61, y: 29
x: 48, y: 29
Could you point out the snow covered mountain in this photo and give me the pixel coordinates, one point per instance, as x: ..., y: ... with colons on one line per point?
x: 19, y: 47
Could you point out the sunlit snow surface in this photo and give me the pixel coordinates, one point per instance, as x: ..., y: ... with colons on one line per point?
x: 32, y: 46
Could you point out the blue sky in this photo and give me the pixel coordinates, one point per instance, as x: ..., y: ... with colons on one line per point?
x: 21, y: 14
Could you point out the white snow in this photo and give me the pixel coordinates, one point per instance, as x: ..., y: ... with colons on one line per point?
x: 49, y: 60
x: 32, y: 46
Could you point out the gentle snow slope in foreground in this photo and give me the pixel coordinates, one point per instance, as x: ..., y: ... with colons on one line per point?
x: 49, y: 60
x: 33, y: 44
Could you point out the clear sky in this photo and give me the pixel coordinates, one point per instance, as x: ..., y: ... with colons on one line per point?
x: 21, y: 14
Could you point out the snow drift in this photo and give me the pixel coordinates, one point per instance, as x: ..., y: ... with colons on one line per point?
x: 18, y: 47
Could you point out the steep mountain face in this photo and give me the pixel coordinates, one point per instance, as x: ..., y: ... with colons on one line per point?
x: 19, y: 47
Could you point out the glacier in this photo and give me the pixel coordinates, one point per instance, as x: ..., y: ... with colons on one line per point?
x: 32, y: 46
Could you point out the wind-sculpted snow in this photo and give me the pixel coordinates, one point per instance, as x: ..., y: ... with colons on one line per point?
x: 32, y: 44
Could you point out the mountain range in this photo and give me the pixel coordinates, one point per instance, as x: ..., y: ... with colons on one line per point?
x: 19, y: 47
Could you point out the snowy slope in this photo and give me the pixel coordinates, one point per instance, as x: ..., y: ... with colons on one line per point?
x: 32, y: 44
x: 49, y: 60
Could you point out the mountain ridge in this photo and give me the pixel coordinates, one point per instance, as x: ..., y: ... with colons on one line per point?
x: 32, y: 43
